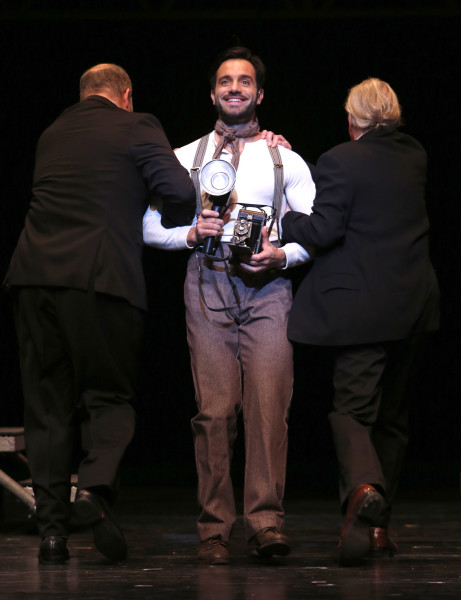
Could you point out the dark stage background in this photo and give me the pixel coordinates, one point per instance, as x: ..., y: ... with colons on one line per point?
x: 313, y: 57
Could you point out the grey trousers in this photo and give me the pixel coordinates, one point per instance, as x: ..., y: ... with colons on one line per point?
x: 370, y: 416
x: 241, y: 363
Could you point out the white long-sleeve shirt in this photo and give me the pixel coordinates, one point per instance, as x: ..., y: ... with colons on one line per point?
x: 254, y: 185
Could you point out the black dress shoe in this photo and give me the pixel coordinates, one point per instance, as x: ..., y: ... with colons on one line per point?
x: 213, y: 551
x: 91, y: 510
x: 363, y: 511
x: 269, y: 542
x: 53, y: 550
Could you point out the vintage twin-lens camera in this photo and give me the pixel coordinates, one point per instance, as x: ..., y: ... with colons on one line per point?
x: 247, y: 231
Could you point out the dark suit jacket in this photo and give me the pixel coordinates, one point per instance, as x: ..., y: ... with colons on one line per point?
x: 95, y: 168
x: 372, y: 279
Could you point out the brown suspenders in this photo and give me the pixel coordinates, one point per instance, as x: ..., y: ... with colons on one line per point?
x: 278, y: 175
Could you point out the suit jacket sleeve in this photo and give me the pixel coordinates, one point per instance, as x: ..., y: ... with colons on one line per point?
x: 164, y: 175
x: 327, y: 223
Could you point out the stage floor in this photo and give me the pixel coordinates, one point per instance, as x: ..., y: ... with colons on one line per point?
x: 160, y: 530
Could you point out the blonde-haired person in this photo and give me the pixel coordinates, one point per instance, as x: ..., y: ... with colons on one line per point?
x: 373, y: 103
x: 370, y: 292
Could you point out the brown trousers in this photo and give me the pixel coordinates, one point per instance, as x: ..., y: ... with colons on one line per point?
x: 241, y: 363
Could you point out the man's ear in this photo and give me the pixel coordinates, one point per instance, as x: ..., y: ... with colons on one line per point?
x: 127, y: 100
x: 259, y: 96
x: 213, y: 97
x: 352, y: 130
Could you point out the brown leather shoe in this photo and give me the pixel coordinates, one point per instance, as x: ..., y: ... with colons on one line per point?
x: 363, y: 510
x: 381, y: 543
x: 269, y: 542
x: 214, y: 551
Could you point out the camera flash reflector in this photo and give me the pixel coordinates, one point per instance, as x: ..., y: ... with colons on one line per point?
x: 218, y: 177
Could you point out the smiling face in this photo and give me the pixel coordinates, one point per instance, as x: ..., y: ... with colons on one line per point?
x: 236, y: 94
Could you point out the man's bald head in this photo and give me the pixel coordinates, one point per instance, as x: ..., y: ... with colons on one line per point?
x: 108, y: 80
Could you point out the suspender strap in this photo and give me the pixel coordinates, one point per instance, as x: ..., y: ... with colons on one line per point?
x: 195, y: 171
x: 277, y: 205
x: 278, y: 177
x: 278, y: 184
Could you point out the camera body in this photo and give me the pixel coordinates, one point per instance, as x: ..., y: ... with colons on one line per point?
x: 247, y: 231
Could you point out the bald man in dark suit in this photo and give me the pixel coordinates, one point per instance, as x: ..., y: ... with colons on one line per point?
x: 371, y: 290
x: 80, y: 297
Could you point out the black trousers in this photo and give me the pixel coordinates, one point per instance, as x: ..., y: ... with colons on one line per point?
x: 79, y: 355
x: 370, y: 413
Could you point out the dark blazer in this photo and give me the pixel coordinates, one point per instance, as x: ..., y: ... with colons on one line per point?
x: 95, y: 168
x: 372, y: 279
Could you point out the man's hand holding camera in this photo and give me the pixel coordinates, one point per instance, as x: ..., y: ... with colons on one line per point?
x: 209, y: 224
x: 270, y: 257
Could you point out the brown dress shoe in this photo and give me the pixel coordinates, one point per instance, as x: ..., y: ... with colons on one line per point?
x: 269, y: 542
x: 214, y: 551
x: 363, y: 511
x: 381, y: 543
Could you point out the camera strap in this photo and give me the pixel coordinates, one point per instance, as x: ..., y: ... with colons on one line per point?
x: 225, y: 260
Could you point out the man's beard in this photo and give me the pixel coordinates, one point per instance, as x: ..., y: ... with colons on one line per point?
x: 235, y: 119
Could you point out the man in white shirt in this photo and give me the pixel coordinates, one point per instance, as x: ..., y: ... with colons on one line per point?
x: 236, y: 314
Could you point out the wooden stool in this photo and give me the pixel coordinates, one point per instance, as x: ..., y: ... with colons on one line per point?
x: 12, y: 441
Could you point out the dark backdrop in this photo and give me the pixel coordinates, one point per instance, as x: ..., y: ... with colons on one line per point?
x: 311, y: 64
